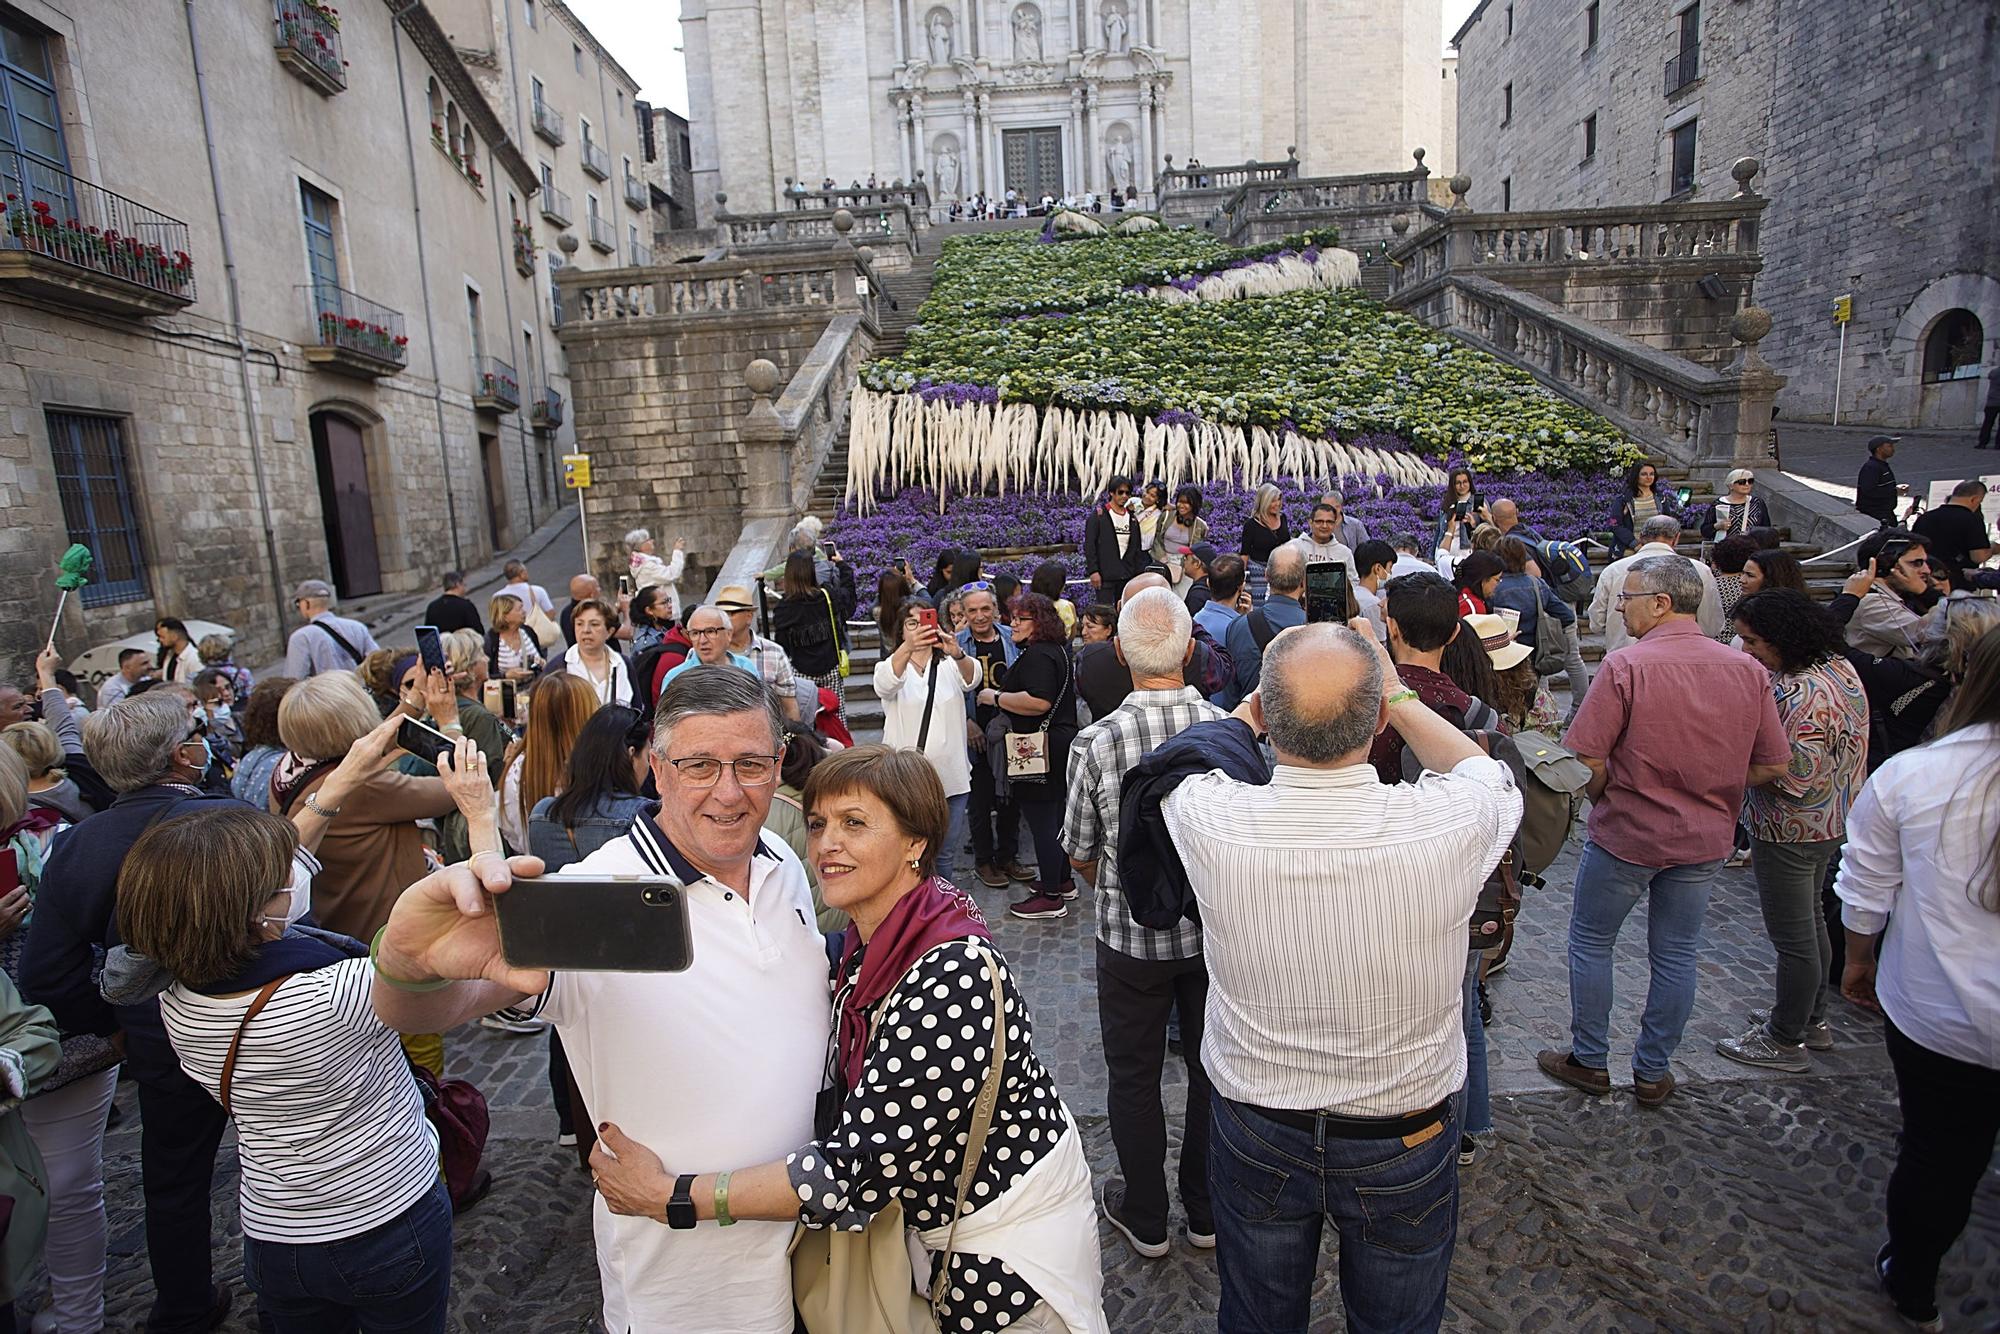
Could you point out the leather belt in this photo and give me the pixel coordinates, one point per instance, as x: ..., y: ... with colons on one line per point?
x: 1355, y: 1127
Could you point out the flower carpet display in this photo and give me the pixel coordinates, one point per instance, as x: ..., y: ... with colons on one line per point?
x: 1049, y: 365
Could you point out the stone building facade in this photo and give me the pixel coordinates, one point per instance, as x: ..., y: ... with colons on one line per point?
x: 1059, y: 97
x: 325, y: 371
x: 1875, y: 126
x: 667, y: 144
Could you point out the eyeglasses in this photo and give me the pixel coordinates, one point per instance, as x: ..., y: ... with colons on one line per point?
x: 1625, y: 595
x: 751, y: 770
x: 707, y: 631
x: 199, y: 730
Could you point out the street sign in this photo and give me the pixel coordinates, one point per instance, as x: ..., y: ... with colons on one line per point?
x: 576, y: 471
x: 1843, y: 308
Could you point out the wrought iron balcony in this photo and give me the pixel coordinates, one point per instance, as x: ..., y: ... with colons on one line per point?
x: 352, y: 335
x: 1683, y: 69
x: 642, y: 255
x: 524, y: 249
x: 636, y: 193
x: 78, y: 244
x: 548, y: 122
x: 494, y: 388
x: 595, y: 160
x: 556, y: 206
x: 603, y: 236
x: 307, y: 40
x: 546, y: 411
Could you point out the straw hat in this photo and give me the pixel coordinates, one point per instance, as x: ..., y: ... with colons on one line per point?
x: 1497, y: 638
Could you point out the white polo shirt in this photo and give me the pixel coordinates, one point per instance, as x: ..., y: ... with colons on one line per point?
x: 713, y: 1069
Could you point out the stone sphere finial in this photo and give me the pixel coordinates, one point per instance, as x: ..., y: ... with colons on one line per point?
x: 843, y: 221
x: 1750, y: 325
x: 1170, y: 161
x: 762, y: 377
x: 1292, y: 151
x: 721, y: 199
x: 1745, y: 169
x: 1461, y: 186
x: 788, y: 182
x: 1418, y: 154
x: 866, y: 254
x: 566, y: 243
x: 1399, y: 224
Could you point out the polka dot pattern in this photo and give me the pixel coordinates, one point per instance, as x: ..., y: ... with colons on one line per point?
x: 903, y: 1131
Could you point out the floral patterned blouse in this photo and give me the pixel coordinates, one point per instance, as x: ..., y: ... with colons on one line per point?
x: 1825, y: 713
x: 902, y: 1131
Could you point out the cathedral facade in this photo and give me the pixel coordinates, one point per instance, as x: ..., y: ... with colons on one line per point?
x: 1059, y: 97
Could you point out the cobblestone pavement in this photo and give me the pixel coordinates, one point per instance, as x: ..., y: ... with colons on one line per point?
x: 1752, y: 1201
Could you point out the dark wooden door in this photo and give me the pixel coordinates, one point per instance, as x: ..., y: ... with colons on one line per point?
x: 342, y: 463
x: 496, y: 488
x: 1034, y: 162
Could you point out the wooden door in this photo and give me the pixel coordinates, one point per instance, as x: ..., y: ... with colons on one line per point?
x: 1034, y: 162
x: 341, y: 461
x: 496, y: 488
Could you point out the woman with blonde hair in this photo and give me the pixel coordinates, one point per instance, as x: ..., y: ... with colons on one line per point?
x: 48, y: 785
x: 514, y: 651
x: 1265, y: 529
x: 558, y: 708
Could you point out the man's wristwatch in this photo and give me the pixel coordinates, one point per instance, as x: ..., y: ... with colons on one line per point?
x: 680, y: 1207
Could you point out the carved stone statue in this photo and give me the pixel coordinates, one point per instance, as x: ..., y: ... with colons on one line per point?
x: 1114, y: 30
x: 1119, y: 158
x: 1027, y: 36
x: 939, y: 29
x: 946, y: 174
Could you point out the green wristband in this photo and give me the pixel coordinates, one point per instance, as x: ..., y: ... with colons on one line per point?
x: 375, y: 961
x: 722, y: 1218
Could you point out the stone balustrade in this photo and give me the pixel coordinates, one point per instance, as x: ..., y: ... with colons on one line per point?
x: 886, y: 226
x: 916, y: 199
x: 1204, y: 179
x: 716, y: 288
x: 1364, y: 207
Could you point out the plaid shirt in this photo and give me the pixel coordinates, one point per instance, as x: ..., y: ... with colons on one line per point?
x: 1100, y: 757
x: 772, y: 664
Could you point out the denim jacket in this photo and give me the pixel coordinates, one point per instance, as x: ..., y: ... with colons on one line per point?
x: 1007, y: 652
x: 558, y: 846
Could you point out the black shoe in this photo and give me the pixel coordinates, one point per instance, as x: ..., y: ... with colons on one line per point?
x: 1114, y: 1204
x: 1930, y: 1320
x: 1485, y: 1008
x: 1468, y: 1150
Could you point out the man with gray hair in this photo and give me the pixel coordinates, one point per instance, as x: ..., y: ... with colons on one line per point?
x: 325, y: 643
x: 1658, y: 536
x: 1143, y: 975
x: 1335, y: 911
x: 1350, y: 530
x: 1674, y: 728
x: 715, y: 1065
x: 1284, y: 608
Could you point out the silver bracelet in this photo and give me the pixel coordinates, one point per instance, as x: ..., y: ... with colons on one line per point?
x: 312, y: 804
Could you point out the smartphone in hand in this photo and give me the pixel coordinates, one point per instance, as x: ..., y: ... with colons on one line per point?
x: 423, y: 740
x: 1326, y: 592
x: 627, y: 924
x: 430, y: 649
x: 927, y: 617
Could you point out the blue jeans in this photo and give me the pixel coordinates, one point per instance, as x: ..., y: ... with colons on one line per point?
x: 1477, y: 1108
x: 394, y: 1278
x: 1676, y: 904
x: 952, y: 863
x: 1394, y: 1205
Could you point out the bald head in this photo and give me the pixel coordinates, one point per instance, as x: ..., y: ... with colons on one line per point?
x: 1321, y: 695
x: 1286, y: 571
x: 1505, y: 514
x: 1139, y: 583
x: 582, y: 587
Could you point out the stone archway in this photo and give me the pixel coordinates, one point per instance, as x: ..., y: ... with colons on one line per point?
x: 1953, y: 403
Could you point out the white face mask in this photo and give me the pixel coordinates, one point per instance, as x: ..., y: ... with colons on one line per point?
x: 221, y: 713
x: 300, y: 890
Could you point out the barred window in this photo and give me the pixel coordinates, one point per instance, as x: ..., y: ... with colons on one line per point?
x: 94, y: 478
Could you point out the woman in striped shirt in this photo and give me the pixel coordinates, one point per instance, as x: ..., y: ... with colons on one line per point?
x: 345, y: 1218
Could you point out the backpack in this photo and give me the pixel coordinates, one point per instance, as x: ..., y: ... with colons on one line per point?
x: 1552, y: 781
x: 1563, y: 563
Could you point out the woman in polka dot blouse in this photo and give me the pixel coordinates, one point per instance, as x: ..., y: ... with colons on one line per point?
x: 912, y: 1049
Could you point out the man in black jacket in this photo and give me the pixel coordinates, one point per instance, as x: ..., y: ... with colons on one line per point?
x: 452, y: 610
x: 1112, y: 551
x: 153, y: 754
x: 1875, y: 490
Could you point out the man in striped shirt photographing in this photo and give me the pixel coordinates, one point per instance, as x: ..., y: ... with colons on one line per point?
x: 1334, y: 914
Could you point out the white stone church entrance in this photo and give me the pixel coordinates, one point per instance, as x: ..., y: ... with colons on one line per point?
x: 1034, y: 161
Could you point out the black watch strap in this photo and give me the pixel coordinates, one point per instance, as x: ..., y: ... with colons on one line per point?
x: 680, y: 1208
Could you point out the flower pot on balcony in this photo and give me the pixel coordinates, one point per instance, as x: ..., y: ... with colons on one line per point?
x: 65, y: 259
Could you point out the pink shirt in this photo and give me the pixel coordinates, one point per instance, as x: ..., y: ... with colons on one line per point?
x: 1678, y: 719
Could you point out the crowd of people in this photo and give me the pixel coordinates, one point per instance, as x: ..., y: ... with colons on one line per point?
x: 249, y: 895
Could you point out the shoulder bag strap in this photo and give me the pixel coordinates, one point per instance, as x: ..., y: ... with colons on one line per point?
x: 1062, y: 691
x: 831, y: 623
x: 345, y: 647
x: 258, y: 1002
x: 930, y: 698
x: 982, y: 1121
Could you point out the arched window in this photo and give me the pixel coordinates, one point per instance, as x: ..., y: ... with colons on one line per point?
x: 467, y: 146
x: 1952, y: 349
x: 451, y: 126
x: 435, y: 101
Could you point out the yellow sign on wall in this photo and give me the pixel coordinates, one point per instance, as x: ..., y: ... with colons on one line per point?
x: 1843, y: 309
x: 576, y: 471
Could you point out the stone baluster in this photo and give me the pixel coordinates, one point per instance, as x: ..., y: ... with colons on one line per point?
x: 766, y: 447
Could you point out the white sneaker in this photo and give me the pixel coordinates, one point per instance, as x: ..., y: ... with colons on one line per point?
x: 566, y: 1140
x: 500, y: 1023
x: 1757, y: 1047
x: 1819, y: 1037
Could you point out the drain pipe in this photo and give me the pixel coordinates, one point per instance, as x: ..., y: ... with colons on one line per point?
x: 250, y: 434
x: 424, y: 282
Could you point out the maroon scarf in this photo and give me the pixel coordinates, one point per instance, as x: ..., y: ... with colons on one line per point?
x: 929, y: 915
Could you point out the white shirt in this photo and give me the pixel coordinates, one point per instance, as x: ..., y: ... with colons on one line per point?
x: 613, y: 687
x: 1914, y: 858
x: 329, y: 1125
x: 532, y: 596
x: 1604, y: 616
x: 183, y: 666
x: 903, y: 716
x: 1409, y: 563
x: 1335, y: 550
x: 650, y: 570
x: 1333, y: 916
x: 715, y: 1068
x: 1371, y: 607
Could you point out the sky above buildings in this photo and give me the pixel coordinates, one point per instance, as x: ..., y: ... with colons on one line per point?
x: 645, y: 37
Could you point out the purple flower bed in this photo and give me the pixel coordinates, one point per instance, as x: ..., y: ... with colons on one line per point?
x: 907, y: 524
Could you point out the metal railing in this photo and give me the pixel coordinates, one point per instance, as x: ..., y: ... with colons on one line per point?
x: 596, y: 160
x: 547, y: 409
x: 312, y: 31
x: 1683, y: 69
x: 556, y: 206
x: 636, y: 193
x: 548, y: 122
x: 524, y: 249
x: 494, y: 379
x: 61, y: 217
x: 642, y: 255
x: 352, y: 323
x: 603, y: 235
